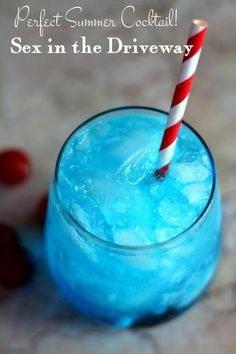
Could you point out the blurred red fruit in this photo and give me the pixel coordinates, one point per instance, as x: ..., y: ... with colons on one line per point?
x: 8, y: 238
x: 15, y: 265
x: 15, y: 269
x: 15, y: 166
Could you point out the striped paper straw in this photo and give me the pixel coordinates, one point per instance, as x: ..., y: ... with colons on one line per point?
x: 181, y: 95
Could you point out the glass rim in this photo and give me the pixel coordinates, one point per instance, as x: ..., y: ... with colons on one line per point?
x: 114, y: 246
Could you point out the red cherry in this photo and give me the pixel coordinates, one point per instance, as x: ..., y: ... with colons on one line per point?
x: 15, y: 166
x: 8, y: 238
x: 42, y: 208
x: 15, y: 269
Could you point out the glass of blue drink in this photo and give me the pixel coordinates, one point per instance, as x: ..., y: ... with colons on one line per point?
x: 125, y: 247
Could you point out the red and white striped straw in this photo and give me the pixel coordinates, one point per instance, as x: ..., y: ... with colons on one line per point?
x: 181, y: 95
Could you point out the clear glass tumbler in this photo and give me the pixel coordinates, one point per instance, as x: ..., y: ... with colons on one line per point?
x: 132, y: 285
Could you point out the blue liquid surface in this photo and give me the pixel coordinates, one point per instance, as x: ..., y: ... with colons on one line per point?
x: 105, y: 187
x: 106, y: 180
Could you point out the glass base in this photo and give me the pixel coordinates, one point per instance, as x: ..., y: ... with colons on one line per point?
x: 151, y: 320
x: 133, y: 321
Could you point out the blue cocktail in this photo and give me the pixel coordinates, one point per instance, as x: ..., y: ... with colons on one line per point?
x: 123, y: 246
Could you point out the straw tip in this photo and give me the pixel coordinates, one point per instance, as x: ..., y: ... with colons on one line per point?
x: 200, y: 23
x: 161, y: 172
